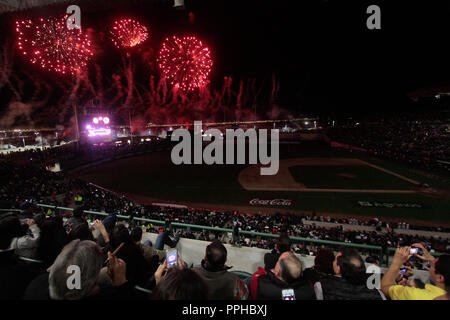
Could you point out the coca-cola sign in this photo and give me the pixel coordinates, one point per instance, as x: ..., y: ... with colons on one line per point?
x: 271, y: 202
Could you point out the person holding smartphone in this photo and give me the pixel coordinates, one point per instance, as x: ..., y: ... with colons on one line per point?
x: 175, y: 282
x: 439, y: 275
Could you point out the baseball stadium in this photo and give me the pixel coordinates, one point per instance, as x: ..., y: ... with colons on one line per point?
x: 313, y: 176
x: 206, y: 150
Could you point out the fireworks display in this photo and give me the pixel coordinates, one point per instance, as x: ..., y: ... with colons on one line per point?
x: 49, y: 43
x: 185, y: 62
x: 128, y: 33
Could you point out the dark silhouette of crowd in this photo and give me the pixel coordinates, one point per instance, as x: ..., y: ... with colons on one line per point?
x: 420, y: 142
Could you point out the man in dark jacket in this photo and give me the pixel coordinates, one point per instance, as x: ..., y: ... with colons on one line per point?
x: 281, y: 245
x: 77, y: 218
x: 222, y: 284
x: 349, y: 281
x: 282, y: 282
x: 323, y: 266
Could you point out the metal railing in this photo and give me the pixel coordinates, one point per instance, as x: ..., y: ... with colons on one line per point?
x: 377, y: 249
x: 384, y: 255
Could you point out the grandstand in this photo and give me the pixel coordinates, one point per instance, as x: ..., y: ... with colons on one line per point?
x: 93, y: 205
x: 376, y: 239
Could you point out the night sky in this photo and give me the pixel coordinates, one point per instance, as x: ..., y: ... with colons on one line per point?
x: 326, y: 58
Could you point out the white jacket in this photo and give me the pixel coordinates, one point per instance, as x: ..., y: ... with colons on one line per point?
x: 26, y: 246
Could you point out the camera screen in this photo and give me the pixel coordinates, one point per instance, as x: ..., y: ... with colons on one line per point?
x: 288, y: 294
x: 171, y: 258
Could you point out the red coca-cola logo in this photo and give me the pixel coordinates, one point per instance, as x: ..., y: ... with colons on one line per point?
x: 271, y: 202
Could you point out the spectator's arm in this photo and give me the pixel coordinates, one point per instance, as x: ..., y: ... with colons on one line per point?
x: 117, y: 270
x: 160, y: 272
x: 426, y: 256
x: 389, y: 279
x: 98, y: 225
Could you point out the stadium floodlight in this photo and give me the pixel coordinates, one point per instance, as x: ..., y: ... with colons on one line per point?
x: 105, y: 120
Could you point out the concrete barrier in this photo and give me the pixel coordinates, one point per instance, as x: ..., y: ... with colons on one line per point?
x: 243, y: 258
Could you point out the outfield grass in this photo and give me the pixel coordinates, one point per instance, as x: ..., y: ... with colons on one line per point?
x: 346, y: 177
x: 155, y: 176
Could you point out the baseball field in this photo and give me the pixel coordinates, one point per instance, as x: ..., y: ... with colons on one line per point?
x: 312, y: 177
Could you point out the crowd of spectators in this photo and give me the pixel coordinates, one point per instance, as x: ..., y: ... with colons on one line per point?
x: 26, y: 184
x: 116, y: 263
x: 423, y: 143
x: 107, y: 260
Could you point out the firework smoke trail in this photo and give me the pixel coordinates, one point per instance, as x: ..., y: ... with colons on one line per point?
x: 23, y: 110
x: 275, y: 88
x: 17, y: 91
x: 6, y: 64
x: 129, y: 75
x: 126, y: 93
x: 228, y: 91
x: 257, y: 93
x: 97, y: 90
x: 117, y: 85
x: 177, y: 107
x: 239, y: 97
x: 151, y: 94
x: 71, y: 97
x: 249, y: 101
x: 15, y: 110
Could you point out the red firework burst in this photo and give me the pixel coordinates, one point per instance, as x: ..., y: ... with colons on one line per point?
x: 185, y: 62
x: 128, y: 33
x: 48, y: 42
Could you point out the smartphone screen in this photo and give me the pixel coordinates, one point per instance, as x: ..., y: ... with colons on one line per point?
x: 288, y: 294
x: 403, y: 271
x: 172, y: 258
